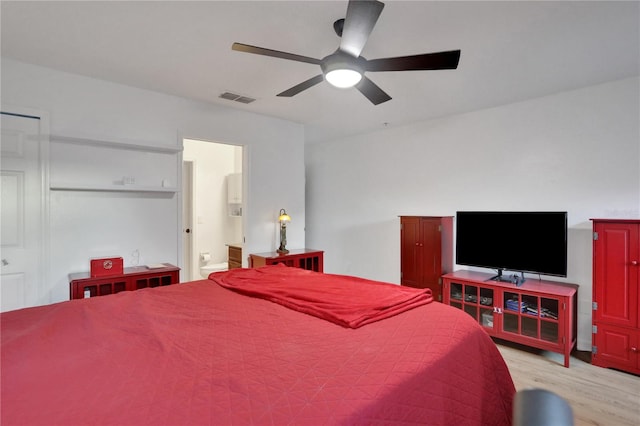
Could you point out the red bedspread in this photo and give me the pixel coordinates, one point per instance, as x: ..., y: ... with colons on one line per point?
x: 336, y: 298
x: 199, y: 354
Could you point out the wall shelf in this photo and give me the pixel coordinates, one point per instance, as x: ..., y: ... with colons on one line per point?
x: 56, y: 186
x: 79, y: 164
x: 112, y: 144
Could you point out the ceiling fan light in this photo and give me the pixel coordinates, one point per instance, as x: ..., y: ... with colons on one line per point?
x: 343, y: 77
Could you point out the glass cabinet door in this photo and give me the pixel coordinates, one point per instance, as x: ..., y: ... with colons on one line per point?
x: 474, y: 300
x: 511, y: 313
x: 455, y: 295
x: 486, y: 307
x: 531, y: 316
x: 471, y: 299
x: 549, y: 325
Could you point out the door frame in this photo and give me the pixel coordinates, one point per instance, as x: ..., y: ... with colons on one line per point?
x: 43, y: 286
x: 187, y: 253
x: 244, y: 164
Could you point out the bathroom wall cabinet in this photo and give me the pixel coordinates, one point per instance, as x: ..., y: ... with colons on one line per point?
x: 234, y: 194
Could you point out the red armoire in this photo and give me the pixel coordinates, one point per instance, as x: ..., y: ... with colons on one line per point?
x: 616, y: 273
x: 426, y: 251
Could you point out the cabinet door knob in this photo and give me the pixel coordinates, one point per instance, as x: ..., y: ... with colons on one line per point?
x: 634, y: 349
x: 634, y: 262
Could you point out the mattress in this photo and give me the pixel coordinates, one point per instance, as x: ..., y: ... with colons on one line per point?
x: 198, y: 353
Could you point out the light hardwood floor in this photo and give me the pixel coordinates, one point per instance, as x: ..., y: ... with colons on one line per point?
x: 598, y: 396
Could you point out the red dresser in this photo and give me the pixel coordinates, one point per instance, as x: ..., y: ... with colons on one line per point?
x: 83, y: 285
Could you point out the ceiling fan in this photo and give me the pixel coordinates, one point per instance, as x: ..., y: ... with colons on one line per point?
x: 345, y: 67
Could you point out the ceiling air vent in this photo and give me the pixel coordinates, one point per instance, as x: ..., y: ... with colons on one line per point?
x: 245, y: 100
x: 237, y: 98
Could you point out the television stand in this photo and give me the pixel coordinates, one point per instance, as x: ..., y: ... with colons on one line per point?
x: 514, y: 279
x: 540, y: 314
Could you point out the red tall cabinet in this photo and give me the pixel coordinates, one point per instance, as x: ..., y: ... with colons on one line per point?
x: 426, y: 251
x: 616, y: 278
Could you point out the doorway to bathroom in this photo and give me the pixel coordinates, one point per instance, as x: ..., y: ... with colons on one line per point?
x: 213, y: 204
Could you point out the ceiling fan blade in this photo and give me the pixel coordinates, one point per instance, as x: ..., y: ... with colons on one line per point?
x: 358, y: 24
x: 428, y: 61
x: 302, y: 86
x: 372, y: 92
x: 274, y: 53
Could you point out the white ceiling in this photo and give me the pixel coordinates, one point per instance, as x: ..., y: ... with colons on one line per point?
x: 511, y: 51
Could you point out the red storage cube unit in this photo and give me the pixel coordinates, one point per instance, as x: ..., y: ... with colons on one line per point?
x: 308, y: 259
x: 84, y: 285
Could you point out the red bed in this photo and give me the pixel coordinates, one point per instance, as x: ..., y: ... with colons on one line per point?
x: 215, y: 352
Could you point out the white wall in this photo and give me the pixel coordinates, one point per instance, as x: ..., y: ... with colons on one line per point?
x: 576, y: 151
x: 89, y: 224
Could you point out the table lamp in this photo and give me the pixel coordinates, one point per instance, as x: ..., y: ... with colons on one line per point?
x: 283, y: 219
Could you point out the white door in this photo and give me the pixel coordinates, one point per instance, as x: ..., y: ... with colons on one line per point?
x: 21, y: 211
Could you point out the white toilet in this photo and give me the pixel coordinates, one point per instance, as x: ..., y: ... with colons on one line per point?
x: 214, y: 267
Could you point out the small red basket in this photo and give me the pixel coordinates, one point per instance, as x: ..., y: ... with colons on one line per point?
x: 105, y: 266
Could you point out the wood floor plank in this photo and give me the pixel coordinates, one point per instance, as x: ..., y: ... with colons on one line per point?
x: 598, y: 396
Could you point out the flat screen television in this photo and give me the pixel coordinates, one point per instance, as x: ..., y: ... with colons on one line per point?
x: 532, y: 242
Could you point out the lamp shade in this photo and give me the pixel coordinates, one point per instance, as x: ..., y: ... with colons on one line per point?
x: 284, y: 217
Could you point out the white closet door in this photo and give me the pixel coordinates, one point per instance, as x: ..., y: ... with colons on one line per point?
x: 21, y: 212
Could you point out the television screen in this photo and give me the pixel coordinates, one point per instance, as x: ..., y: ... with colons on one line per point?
x: 534, y: 242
